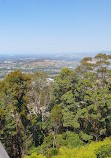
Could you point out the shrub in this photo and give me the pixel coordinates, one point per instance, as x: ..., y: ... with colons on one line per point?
x: 87, y: 151
x: 52, y: 152
x: 34, y: 155
x: 73, y: 139
x: 104, y: 151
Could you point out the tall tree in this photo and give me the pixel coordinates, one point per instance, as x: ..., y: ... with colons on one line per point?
x: 56, y: 118
x: 14, y: 106
x: 40, y: 94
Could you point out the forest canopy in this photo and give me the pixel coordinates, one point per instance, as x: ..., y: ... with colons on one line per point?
x: 41, y: 118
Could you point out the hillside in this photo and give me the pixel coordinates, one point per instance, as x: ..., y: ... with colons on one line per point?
x: 67, y: 117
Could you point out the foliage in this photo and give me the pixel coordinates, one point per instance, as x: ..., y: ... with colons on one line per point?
x: 52, y: 152
x: 104, y: 151
x: 39, y: 117
x: 56, y: 118
x: 87, y: 151
x: 13, y: 111
x: 34, y: 155
x: 73, y: 139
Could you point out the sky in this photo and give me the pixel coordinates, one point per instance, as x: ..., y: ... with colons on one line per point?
x: 54, y: 26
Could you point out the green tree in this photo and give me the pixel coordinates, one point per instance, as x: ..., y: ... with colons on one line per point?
x: 65, y: 94
x: 14, y: 111
x: 63, y: 83
x: 56, y: 118
x: 98, y: 64
x: 40, y: 94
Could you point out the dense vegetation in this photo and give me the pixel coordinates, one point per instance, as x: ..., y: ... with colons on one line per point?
x: 70, y: 117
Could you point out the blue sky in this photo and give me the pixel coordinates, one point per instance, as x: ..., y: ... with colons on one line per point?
x: 54, y: 26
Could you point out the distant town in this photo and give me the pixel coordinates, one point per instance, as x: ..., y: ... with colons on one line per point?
x: 28, y: 64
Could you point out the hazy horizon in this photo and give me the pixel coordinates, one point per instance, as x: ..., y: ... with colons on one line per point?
x: 54, y: 55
